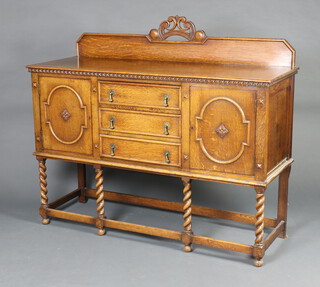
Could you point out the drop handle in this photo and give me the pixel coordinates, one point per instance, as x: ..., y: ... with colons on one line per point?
x: 166, y: 99
x: 166, y: 127
x: 167, y: 156
x: 113, y: 147
x: 112, y: 122
x: 112, y: 93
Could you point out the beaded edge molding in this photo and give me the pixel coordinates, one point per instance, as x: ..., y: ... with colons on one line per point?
x: 156, y: 78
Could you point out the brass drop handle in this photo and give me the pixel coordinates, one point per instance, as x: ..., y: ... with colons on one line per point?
x: 167, y: 155
x: 112, y: 121
x: 113, y: 147
x: 166, y: 99
x: 166, y: 127
x: 112, y: 93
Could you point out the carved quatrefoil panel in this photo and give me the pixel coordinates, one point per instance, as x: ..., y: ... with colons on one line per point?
x: 65, y: 114
x: 222, y: 130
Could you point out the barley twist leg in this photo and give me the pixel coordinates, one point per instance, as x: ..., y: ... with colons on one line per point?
x: 100, y: 201
x: 260, y: 198
x: 187, y: 226
x: 43, y: 191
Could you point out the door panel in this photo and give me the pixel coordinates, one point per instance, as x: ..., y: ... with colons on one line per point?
x: 222, y: 138
x: 66, y: 115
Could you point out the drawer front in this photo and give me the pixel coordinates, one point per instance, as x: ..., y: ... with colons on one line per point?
x: 140, y: 123
x: 156, y: 96
x: 154, y: 152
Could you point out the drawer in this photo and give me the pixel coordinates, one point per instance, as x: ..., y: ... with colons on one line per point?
x: 134, y: 94
x: 140, y: 123
x: 155, y: 152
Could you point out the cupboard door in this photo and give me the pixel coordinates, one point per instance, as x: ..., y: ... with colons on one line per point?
x: 222, y: 130
x: 66, y: 115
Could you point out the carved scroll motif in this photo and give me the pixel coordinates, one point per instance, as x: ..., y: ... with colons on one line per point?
x: 177, y: 26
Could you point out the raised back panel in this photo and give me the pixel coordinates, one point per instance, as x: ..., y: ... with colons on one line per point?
x: 265, y: 52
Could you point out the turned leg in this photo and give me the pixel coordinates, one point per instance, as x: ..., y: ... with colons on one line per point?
x: 283, y: 199
x: 82, y: 182
x: 187, y: 227
x: 258, y: 251
x: 100, y: 201
x: 43, y: 191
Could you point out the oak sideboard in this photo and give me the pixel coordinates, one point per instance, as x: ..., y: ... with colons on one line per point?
x: 193, y: 107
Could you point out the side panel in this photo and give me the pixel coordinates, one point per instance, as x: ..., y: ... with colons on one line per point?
x: 280, y: 123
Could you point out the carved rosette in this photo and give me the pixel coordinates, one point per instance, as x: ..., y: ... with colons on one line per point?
x: 177, y: 26
x: 222, y: 131
x: 65, y: 115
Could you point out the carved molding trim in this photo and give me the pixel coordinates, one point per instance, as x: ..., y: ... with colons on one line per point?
x: 244, y: 143
x: 154, y: 78
x: 66, y: 115
x: 177, y: 26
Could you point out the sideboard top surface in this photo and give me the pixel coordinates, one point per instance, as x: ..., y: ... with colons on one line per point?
x: 266, y: 74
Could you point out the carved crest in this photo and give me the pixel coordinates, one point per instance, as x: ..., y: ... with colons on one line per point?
x: 177, y: 26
